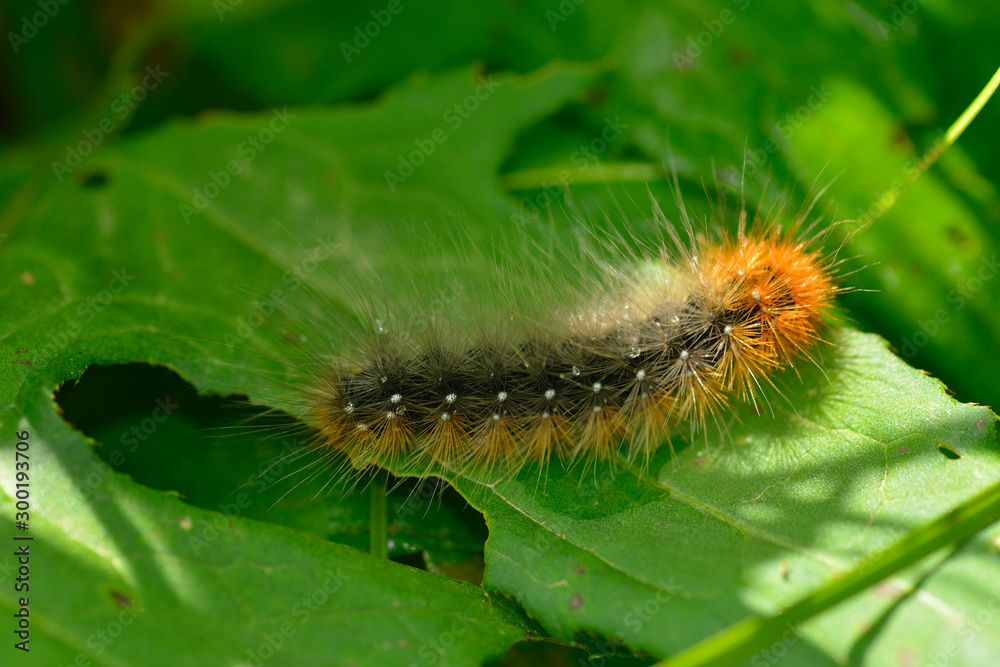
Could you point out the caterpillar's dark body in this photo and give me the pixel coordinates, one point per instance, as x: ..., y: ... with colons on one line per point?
x: 736, y: 312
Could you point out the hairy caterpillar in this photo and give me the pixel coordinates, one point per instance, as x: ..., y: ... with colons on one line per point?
x: 660, y: 337
x: 656, y: 338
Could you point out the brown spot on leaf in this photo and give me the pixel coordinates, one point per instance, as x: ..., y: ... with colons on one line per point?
x: 578, y: 571
x: 957, y: 235
x: 123, y: 600
x: 576, y: 601
x: 738, y: 55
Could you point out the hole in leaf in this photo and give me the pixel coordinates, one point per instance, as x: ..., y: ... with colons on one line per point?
x: 948, y: 452
x: 223, y: 455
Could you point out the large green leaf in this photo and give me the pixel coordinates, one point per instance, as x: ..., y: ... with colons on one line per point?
x: 204, y: 582
x: 751, y: 522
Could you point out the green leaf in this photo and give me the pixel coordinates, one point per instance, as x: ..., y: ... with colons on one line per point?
x: 750, y: 523
x: 210, y: 584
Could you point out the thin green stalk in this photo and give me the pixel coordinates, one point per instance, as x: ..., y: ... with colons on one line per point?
x: 742, y: 640
x: 890, y: 197
x: 378, y: 521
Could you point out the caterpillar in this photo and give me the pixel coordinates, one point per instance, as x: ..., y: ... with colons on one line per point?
x: 662, y: 338
x: 609, y: 367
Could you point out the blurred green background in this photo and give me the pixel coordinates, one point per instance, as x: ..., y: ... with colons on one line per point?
x: 814, y: 92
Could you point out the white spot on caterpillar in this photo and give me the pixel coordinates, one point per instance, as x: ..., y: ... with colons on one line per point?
x: 502, y: 396
x: 597, y: 387
x: 451, y: 398
x: 755, y: 293
x: 640, y: 375
x: 349, y: 408
x: 390, y: 415
x: 362, y: 427
x: 597, y: 408
x: 445, y: 416
x: 496, y: 416
x: 728, y: 330
x: 550, y: 394
x: 395, y: 398
x: 545, y: 415
x: 576, y: 370
x: 685, y: 355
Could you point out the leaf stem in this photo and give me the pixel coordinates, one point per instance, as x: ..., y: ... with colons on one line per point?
x: 742, y: 640
x: 891, y: 196
x: 378, y: 524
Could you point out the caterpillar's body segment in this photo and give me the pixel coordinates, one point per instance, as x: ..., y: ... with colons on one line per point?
x: 661, y: 348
